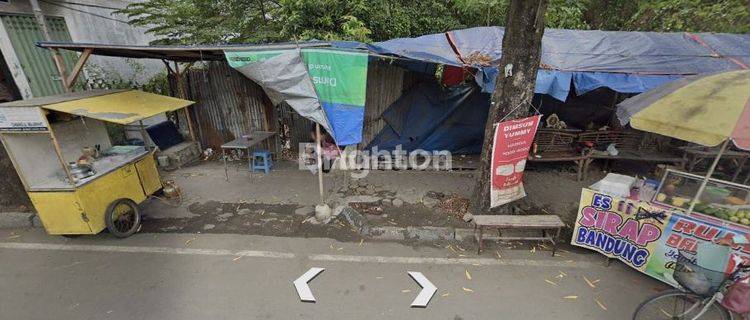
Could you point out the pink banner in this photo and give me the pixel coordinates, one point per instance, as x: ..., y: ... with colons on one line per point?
x: 510, y: 149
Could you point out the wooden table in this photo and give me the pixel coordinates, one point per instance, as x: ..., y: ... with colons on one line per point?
x: 544, y: 223
x: 246, y: 144
x: 696, y: 155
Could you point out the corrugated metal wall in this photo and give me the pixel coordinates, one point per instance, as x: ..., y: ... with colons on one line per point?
x: 229, y: 105
x: 37, y: 63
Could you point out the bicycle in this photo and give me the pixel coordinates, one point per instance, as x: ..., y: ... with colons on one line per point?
x: 700, y: 295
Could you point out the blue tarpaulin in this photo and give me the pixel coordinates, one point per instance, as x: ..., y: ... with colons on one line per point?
x: 627, y: 61
x: 431, y: 117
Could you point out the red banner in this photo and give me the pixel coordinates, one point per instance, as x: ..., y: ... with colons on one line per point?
x: 510, y: 149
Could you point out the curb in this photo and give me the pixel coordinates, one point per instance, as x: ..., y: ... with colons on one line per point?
x: 15, y: 220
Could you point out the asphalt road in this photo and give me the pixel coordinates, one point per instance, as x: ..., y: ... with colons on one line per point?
x: 195, y: 276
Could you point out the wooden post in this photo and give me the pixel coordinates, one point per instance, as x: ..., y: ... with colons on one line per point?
x: 71, y: 80
x: 56, y: 56
x: 708, y: 176
x: 144, y: 136
x: 320, y: 162
x: 58, y: 151
x: 181, y: 92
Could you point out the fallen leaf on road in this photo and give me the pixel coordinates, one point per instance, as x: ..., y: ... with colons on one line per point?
x: 361, y: 241
x: 550, y: 282
x: 459, y: 248
x: 237, y: 258
x: 467, y: 289
x: 406, y: 291
x: 591, y: 284
x: 570, y: 297
x: 187, y: 243
x: 445, y: 294
x: 468, y: 275
x: 562, y: 273
x: 601, y: 305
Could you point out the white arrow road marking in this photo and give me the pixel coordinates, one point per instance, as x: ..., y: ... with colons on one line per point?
x: 303, y: 290
x: 428, y: 290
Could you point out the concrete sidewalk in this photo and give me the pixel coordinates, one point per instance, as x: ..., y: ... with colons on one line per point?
x: 200, y: 276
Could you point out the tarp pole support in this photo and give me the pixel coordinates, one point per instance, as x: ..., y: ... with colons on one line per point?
x: 320, y: 162
x: 708, y: 176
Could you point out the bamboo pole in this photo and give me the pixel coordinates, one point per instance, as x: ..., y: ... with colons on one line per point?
x: 320, y: 162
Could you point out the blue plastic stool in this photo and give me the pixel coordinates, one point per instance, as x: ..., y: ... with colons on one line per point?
x: 261, y: 161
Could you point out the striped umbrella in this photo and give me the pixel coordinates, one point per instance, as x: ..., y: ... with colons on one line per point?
x: 709, y: 110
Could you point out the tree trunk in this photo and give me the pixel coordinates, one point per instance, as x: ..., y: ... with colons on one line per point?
x: 513, y: 93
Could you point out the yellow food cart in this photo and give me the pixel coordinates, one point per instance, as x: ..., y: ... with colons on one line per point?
x: 77, y: 180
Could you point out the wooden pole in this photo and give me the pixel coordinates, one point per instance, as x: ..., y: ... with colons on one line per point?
x: 56, y: 56
x: 70, y: 81
x: 320, y: 162
x: 708, y: 176
x: 182, y: 93
x: 144, y: 135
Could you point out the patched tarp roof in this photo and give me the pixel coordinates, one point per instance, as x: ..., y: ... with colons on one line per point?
x: 655, y: 53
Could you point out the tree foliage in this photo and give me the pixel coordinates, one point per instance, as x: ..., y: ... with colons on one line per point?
x: 237, y: 21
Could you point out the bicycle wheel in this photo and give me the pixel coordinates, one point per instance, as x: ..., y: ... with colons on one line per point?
x: 678, y: 305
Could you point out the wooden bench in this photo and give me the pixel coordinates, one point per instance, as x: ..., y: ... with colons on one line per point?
x: 544, y: 223
x: 632, y: 145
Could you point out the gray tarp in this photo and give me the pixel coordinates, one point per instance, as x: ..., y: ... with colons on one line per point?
x: 284, y: 78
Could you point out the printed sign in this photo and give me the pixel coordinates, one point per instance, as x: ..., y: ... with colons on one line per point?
x: 22, y: 119
x: 648, y: 237
x: 510, y: 149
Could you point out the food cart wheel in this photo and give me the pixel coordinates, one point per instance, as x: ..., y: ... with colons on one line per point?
x: 123, y: 218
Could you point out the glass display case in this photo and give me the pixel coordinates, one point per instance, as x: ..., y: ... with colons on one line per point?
x: 721, y: 199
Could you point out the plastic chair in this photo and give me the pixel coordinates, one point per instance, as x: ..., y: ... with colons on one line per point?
x: 261, y: 161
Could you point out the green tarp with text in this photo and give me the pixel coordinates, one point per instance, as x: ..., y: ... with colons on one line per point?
x: 339, y: 79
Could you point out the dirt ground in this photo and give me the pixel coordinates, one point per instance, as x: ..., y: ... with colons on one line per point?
x: 244, y: 218
x: 255, y: 203
x: 408, y: 215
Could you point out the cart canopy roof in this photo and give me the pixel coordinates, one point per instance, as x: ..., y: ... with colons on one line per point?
x: 115, y: 106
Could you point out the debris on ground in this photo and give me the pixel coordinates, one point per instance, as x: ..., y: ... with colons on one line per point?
x: 601, y: 305
x: 468, y: 275
x: 189, y: 241
x: 456, y: 206
x: 467, y: 289
x: 591, y: 284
